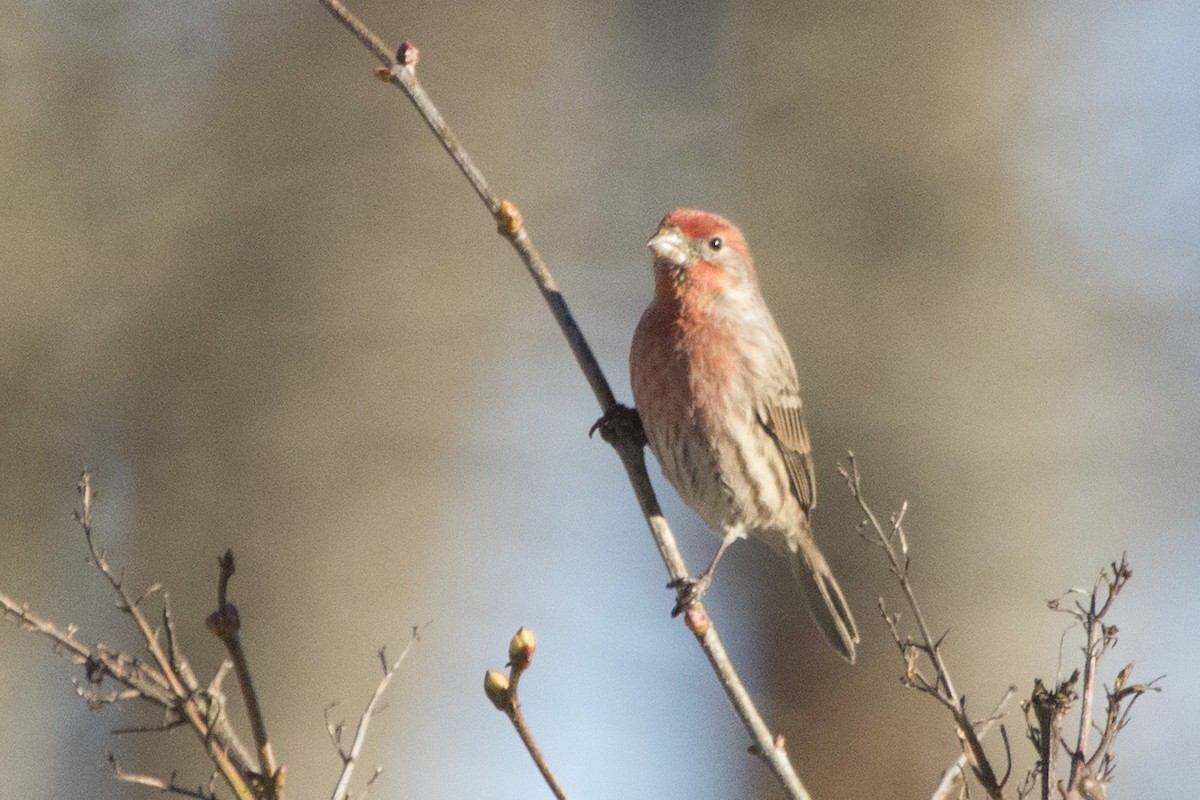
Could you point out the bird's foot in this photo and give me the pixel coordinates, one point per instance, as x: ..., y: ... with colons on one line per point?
x: 620, y: 422
x: 689, y: 592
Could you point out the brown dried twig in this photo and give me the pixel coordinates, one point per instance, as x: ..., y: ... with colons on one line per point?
x: 1047, y: 708
x: 940, y: 686
x: 1091, y: 769
x: 225, y: 623
x: 168, y: 786
x: 1044, y: 713
x: 398, y: 67
x: 954, y: 775
x: 165, y: 679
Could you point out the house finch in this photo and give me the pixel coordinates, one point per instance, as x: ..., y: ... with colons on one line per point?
x: 720, y: 404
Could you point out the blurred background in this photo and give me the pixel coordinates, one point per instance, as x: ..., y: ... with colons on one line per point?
x: 243, y: 283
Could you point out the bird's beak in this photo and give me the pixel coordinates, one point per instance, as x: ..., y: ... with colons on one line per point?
x: 668, y: 245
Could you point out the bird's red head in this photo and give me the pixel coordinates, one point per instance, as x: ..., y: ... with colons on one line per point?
x: 701, y: 256
x: 703, y: 225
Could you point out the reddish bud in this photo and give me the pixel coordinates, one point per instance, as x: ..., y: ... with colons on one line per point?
x: 697, y: 621
x: 520, y: 649
x: 408, y: 55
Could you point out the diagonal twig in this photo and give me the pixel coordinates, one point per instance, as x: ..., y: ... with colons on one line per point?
x: 350, y: 757
x: 502, y: 690
x: 225, y: 624
x: 1090, y: 769
x: 893, y: 541
x: 400, y: 71
x: 168, y: 786
x: 956, y: 770
x: 161, y: 682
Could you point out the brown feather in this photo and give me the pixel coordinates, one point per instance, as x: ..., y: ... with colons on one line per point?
x: 785, y: 422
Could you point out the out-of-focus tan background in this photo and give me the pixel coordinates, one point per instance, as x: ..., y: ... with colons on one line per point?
x: 243, y: 283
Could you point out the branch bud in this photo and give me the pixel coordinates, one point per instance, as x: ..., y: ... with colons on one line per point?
x: 697, y: 621
x: 224, y: 622
x: 508, y: 219
x: 408, y: 55
x: 520, y: 649
x: 495, y: 686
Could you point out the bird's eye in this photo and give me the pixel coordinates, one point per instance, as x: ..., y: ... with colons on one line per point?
x: 715, y: 243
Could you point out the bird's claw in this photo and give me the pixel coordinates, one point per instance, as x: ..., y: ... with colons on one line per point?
x: 620, y: 422
x: 688, y: 592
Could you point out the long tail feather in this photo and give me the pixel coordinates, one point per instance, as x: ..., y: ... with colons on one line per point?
x: 826, y: 603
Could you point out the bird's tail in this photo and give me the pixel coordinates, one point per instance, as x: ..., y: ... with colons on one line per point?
x: 826, y: 603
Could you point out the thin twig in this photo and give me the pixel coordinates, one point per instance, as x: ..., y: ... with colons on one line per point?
x: 402, y: 73
x: 176, y: 660
x: 350, y: 758
x: 225, y: 623
x: 168, y: 786
x: 502, y: 691
x: 899, y: 563
x: 162, y: 682
x: 956, y: 770
x: 522, y: 727
x: 170, y: 724
x: 219, y: 724
x: 232, y: 772
x: 1091, y: 650
x: 894, y: 543
x: 1098, y: 640
x: 99, y: 661
x: 1048, y: 709
x: 1090, y: 768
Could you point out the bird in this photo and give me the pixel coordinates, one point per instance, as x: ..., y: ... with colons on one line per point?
x: 718, y: 396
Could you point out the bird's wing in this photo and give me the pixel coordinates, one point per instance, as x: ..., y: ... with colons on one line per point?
x: 783, y: 418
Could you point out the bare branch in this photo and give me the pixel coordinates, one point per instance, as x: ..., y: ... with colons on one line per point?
x: 173, y: 655
x: 350, y: 758
x: 335, y: 730
x: 167, y: 682
x: 169, y: 724
x: 1090, y: 769
x: 169, y: 786
x: 214, y: 686
x: 955, y: 773
x: 225, y: 624
x: 1048, y: 709
x: 502, y: 691
x: 1120, y: 703
x: 1099, y: 639
x: 894, y: 542
x: 400, y: 71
